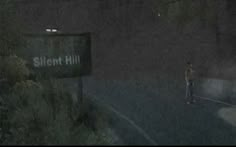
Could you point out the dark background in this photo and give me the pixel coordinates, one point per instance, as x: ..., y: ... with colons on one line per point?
x: 138, y: 62
x: 128, y: 40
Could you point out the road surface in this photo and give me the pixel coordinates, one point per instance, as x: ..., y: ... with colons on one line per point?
x: 158, y: 112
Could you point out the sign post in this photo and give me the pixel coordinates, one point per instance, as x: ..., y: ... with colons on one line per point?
x: 80, y: 85
x: 58, y: 55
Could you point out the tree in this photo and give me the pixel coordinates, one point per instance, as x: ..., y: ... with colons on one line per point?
x: 12, y: 67
x: 183, y: 12
x: 10, y: 30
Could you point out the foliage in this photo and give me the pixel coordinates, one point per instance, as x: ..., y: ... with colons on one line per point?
x: 183, y: 12
x: 11, y: 38
x: 40, y: 115
x: 13, y: 69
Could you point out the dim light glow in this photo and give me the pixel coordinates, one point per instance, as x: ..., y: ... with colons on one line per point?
x: 51, y: 30
x: 48, y: 30
x: 54, y: 30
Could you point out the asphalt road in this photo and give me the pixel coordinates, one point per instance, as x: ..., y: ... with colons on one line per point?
x: 157, y: 111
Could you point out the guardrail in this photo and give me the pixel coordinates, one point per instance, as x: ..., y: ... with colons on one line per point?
x: 215, y: 101
x: 216, y: 90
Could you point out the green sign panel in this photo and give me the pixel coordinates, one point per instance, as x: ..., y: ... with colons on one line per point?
x: 58, y: 55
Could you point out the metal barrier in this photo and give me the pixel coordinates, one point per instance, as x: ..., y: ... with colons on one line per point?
x: 215, y: 101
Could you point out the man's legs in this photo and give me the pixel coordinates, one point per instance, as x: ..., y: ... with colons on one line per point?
x: 191, y: 97
x: 189, y: 93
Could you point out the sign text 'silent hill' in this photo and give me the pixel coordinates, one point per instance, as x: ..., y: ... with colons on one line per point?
x: 58, y: 55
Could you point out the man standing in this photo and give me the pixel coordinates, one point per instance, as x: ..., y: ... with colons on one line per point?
x: 189, y: 77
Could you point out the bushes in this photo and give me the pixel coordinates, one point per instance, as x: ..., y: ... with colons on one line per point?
x: 40, y: 115
x: 13, y: 69
x: 37, y: 113
x: 28, y: 113
x: 93, y: 116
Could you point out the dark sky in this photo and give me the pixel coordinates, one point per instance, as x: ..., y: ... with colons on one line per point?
x: 127, y: 37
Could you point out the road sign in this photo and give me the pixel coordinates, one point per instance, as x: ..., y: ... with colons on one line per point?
x: 58, y: 55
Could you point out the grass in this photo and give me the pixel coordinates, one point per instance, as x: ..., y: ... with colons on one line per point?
x: 41, y: 114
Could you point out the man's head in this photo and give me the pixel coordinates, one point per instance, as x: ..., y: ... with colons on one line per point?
x: 189, y: 64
